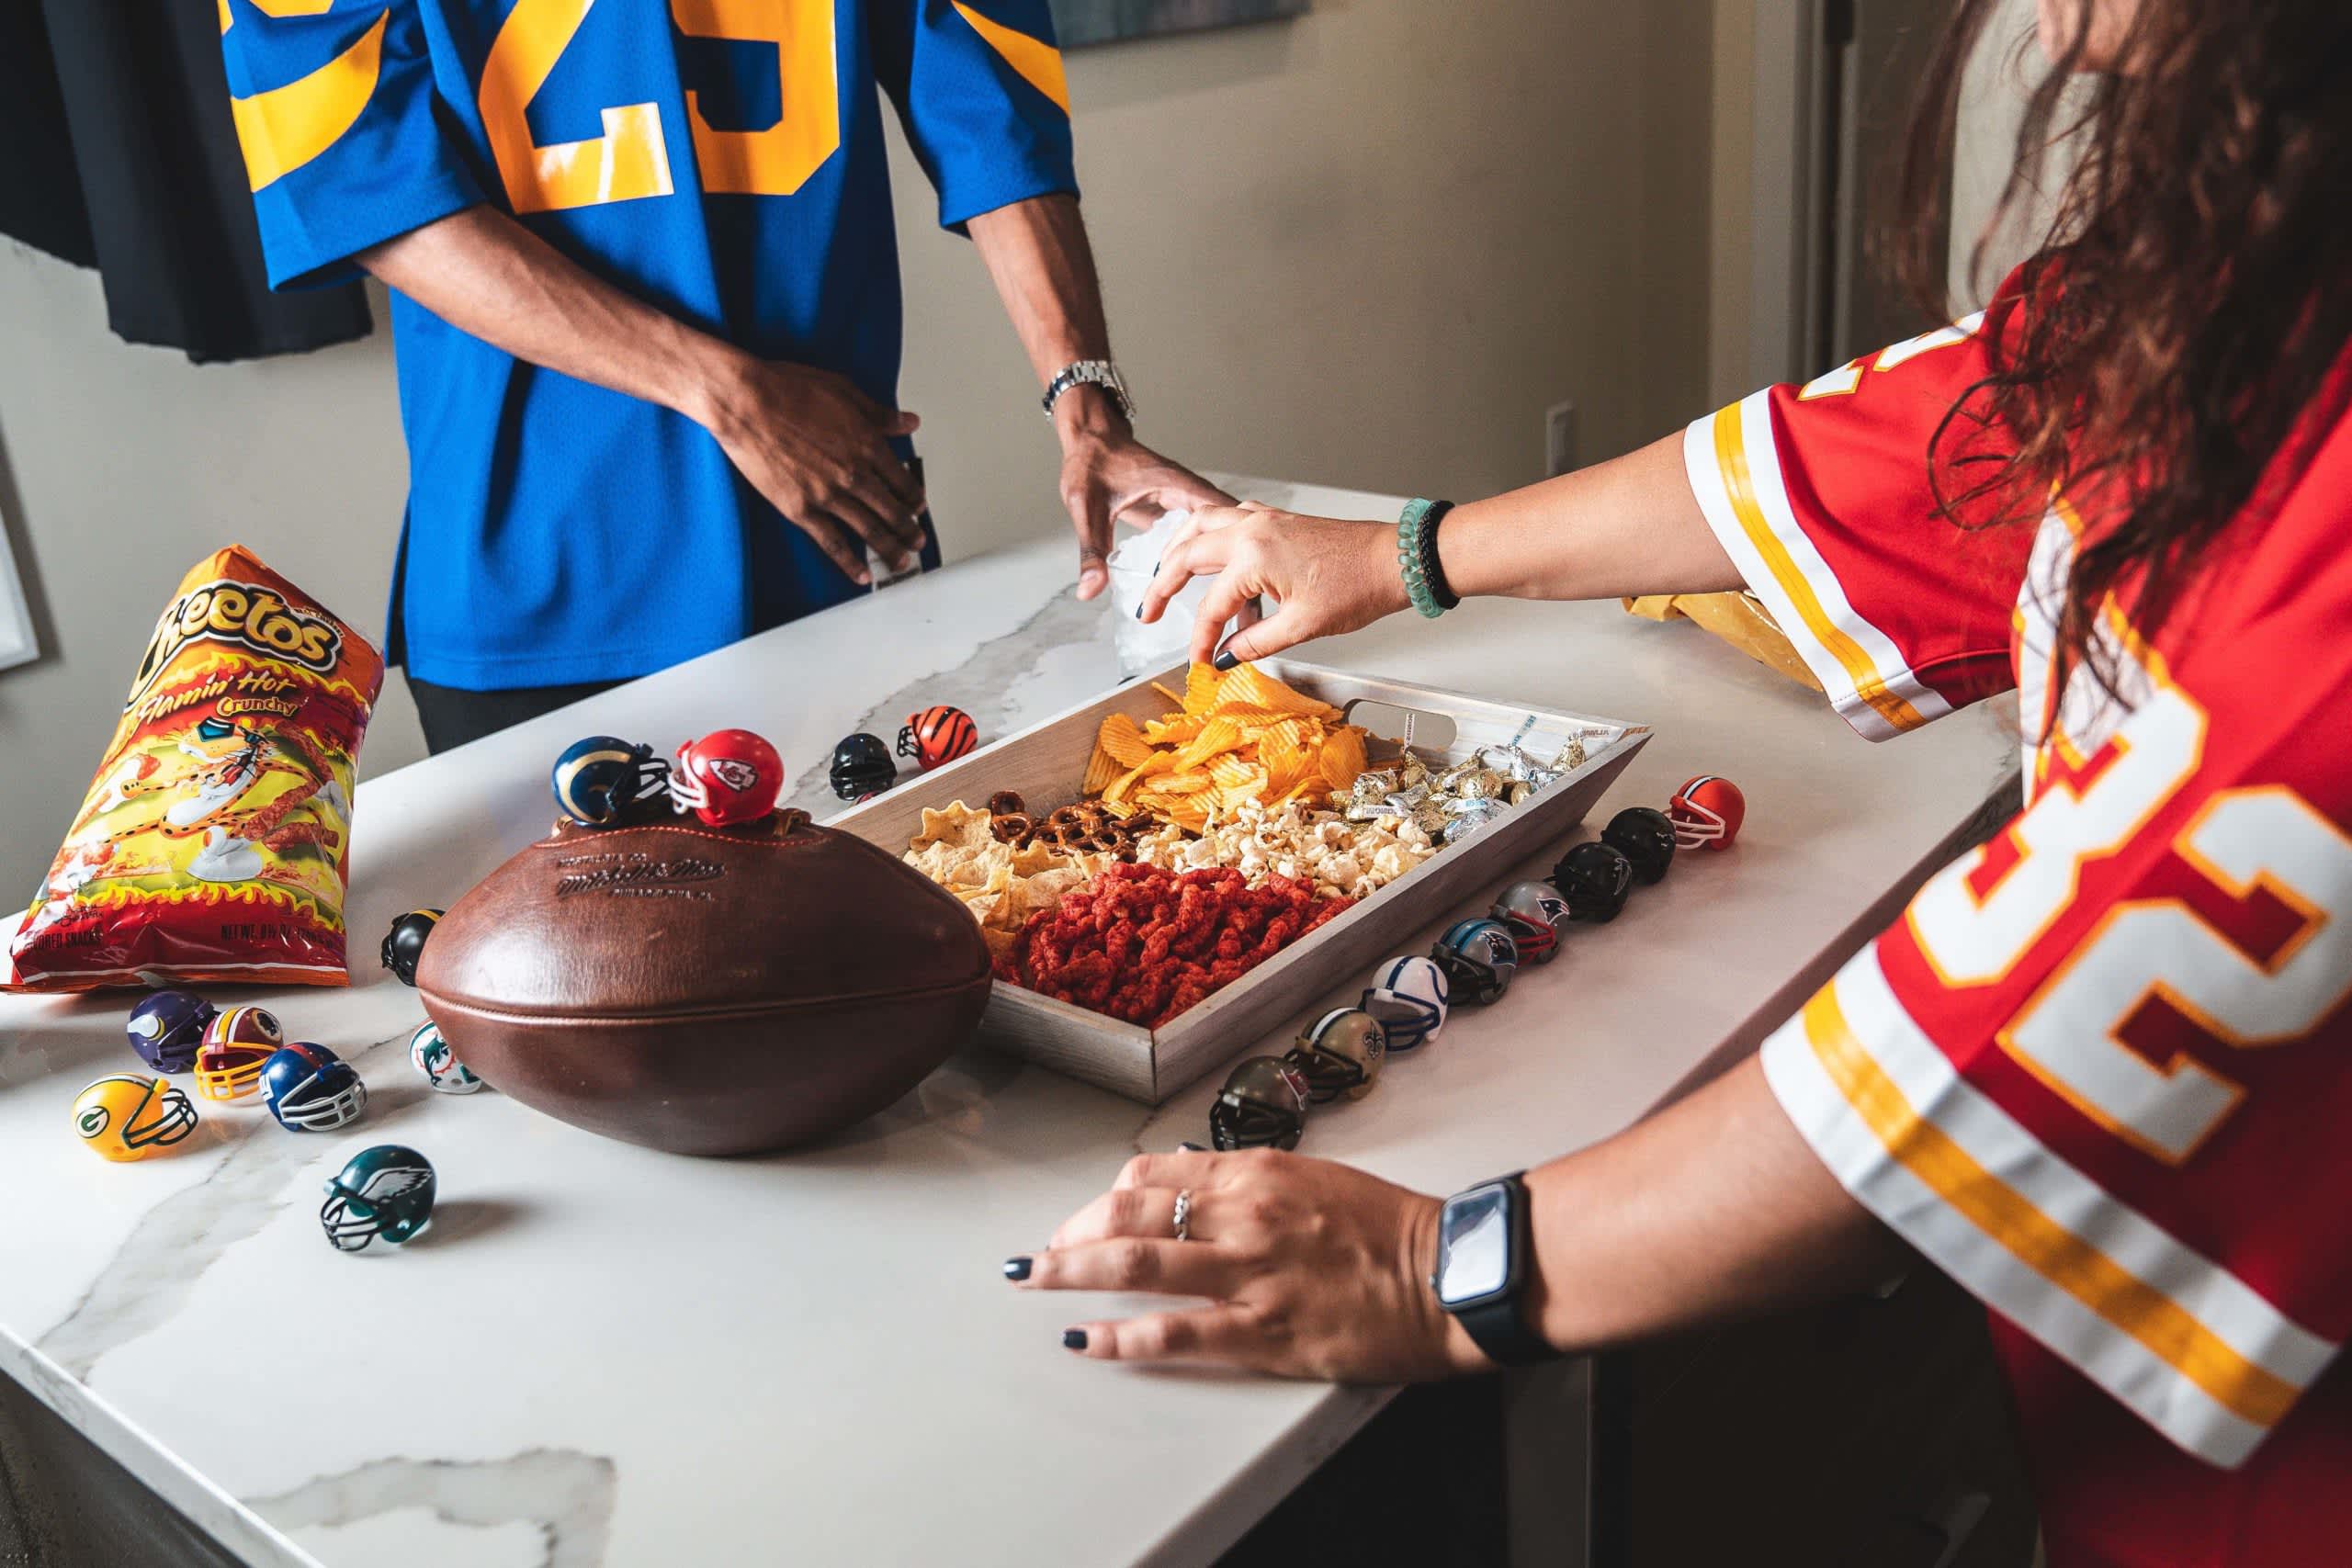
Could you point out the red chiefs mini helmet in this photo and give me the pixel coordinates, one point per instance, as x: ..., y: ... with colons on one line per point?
x: 728, y: 777
x: 1707, y: 813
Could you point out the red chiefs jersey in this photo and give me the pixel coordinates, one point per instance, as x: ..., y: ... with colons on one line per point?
x: 2101, y: 1071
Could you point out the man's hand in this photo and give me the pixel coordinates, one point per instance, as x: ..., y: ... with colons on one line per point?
x: 1311, y: 1270
x: 1107, y: 472
x: 818, y: 448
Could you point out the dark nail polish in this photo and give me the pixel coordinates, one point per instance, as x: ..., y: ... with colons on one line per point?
x: 1227, y: 660
x: 1073, y: 1339
x: 1190, y: 1147
x: 1138, y: 612
x: 1016, y: 1267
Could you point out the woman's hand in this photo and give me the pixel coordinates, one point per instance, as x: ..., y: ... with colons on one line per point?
x: 1330, y: 576
x: 1315, y: 1270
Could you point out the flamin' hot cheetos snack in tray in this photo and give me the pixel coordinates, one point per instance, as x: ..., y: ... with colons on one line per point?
x: 212, y: 845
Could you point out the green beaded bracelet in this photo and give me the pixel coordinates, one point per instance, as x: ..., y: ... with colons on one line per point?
x: 1416, y: 556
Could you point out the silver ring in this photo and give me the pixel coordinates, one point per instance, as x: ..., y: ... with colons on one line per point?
x: 1184, y: 1215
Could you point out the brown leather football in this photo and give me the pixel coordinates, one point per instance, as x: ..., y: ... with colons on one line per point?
x: 701, y: 990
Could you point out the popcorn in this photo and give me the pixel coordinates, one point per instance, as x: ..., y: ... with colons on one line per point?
x: 1303, y: 843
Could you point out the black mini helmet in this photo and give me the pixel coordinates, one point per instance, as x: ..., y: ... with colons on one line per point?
x: 404, y: 944
x: 1262, y: 1106
x: 1644, y: 835
x: 1594, y: 878
x: 862, y: 766
x: 1340, y: 1053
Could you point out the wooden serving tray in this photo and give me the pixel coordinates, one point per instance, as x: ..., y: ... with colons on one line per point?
x: 1046, y: 763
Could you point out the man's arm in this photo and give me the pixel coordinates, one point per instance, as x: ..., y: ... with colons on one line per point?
x: 1037, y: 255
x: 807, y: 439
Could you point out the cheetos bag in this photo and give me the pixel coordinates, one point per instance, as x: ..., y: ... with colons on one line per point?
x: 212, y: 843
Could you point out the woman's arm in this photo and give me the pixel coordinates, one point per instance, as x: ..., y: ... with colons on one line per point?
x: 1628, y: 526
x: 1715, y: 1208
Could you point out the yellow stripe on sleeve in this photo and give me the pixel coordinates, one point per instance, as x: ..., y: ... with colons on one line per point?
x: 1038, y: 63
x: 2120, y: 1297
x: 1739, y: 485
x: 281, y: 129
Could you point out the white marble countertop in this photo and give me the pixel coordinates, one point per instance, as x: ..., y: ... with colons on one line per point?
x: 603, y: 1355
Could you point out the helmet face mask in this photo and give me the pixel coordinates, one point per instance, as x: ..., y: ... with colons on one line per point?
x: 125, y: 1117
x: 1479, y: 959
x: 1262, y: 1106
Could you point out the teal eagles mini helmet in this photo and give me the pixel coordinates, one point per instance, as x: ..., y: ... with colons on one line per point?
x: 384, y: 1191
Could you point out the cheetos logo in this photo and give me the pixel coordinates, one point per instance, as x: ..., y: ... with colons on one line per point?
x: 246, y: 615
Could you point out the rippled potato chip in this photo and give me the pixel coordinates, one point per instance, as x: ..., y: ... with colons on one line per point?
x: 1238, y: 738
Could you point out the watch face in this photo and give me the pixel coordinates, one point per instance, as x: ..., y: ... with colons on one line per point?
x: 1474, y: 1245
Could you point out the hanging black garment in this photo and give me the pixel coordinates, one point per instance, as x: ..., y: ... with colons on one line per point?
x: 127, y: 160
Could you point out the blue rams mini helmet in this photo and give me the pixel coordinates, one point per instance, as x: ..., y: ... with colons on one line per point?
x: 1479, y: 959
x: 311, y: 1090
x: 596, y: 779
x: 1409, y: 996
x: 166, y: 1028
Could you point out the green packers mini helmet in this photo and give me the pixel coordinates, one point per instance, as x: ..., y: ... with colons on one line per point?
x: 384, y: 1191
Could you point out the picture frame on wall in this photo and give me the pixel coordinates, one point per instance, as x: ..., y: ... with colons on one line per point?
x: 1082, y: 22
x: 18, y: 645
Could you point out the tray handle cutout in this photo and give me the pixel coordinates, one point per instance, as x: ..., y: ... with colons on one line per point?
x: 1421, y: 728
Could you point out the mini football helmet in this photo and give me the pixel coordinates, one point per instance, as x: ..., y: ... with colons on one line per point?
x: 385, y: 1191
x: 237, y: 1045
x: 862, y: 766
x: 311, y: 1090
x: 126, y: 1117
x: 937, y: 736
x: 1534, y: 913
x: 1340, y: 1054
x: 404, y: 944
x: 1707, y: 812
x: 438, y: 1063
x: 727, y: 778
x: 1644, y: 835
x: 166, y: 1027
x: 1594, y: 878
x: 1409, y: 996
x: 1262, y: 1106
x: 596, y: 779
x: 1479, y: 959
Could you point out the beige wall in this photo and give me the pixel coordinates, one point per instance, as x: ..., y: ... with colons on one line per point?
x: 1369, y: 247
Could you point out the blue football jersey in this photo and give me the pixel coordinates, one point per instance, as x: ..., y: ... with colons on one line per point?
x: 720, y: 159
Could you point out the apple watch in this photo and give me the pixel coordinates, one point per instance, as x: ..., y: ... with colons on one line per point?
x: 1482, y: 1261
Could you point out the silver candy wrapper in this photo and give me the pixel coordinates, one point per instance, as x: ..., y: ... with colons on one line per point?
x: 1466, y: 817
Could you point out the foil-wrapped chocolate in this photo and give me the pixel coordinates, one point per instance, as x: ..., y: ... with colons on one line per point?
x: 1431, y: 818
x: 1464, y: 816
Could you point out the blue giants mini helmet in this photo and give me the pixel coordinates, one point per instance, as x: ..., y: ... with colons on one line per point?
x: 438, y: 1063
x: 311, y: 1090
x: 595, y: 779
x: 166, y: 1027
x: 1479, y: 959
x: 1409, y: 996
x: 385, y: 1191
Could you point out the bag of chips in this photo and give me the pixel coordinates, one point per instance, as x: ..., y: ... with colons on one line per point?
x: 212, y: 845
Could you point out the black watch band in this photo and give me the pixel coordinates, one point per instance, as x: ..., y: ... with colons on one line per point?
x: 1496, y: 1325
